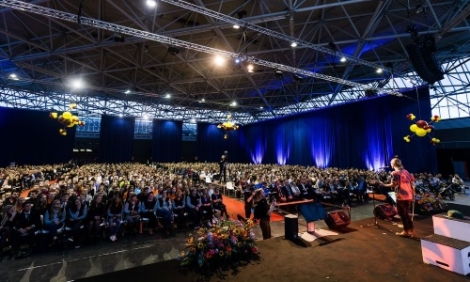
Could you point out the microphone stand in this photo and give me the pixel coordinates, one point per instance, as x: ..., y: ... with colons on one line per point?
x: 376, y: 222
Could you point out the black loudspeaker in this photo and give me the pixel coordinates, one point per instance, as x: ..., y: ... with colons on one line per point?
x: 423, y: 61
x: 337, y: 219
x: 291, y: 225
x: 385, y: 211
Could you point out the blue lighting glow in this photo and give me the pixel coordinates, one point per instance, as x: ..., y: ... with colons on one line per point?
x: 257, y: 153
x: 379, y: 141
x: 282, y: 149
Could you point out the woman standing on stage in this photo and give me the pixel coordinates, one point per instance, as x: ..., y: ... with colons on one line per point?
x: 402, y: 181
x: 263, y: 212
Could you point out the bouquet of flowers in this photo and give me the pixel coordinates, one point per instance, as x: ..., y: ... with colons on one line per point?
x: 428, y: 203
x: 227, y: 244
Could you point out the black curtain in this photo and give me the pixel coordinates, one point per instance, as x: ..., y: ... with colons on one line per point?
x: 31, y: 137
x: 116, y: 139
x: 167, y: 140
x: 364, y: 134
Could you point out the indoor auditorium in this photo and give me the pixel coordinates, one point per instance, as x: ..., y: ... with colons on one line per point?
x: 235, y: 140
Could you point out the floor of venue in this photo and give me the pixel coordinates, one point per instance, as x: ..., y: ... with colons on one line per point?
x: 363, y: 252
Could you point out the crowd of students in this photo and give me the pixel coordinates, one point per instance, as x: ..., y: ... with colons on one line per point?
x: 57, y: 204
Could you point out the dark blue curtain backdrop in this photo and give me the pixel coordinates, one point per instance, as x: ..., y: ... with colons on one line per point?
x: 116, y: 139
x: 364, y: 134
x: 167, y: 139
x: 211, y: 143
x: 31, y: 137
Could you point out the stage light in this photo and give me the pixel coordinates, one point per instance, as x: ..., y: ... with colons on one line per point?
x: 77, y: 84
x: 193, y: 120
x: 14, y: 76
x: 168, y: 96
x: 379, y: 70
x: 127, y: 92
x: 236, y: 26
x: 151, y: 3
x: 120, y: 115
x: 343, y: 59
x: 261, y: 107
x: 293, y: 44
x: 145, y: 117
x: 219, y: 61
x: 203, y: 100
x: 237, y: 61
x: 278, y: 74
x: 250, y: 68
x: 233, y: 104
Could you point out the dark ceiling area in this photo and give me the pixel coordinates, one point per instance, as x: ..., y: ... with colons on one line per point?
x: 135, y: 59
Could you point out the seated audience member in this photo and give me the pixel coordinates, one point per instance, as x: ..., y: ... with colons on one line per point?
x: 11, y: 201
x: 147, y: 210
x: 193, y: 204
x: 54, y: 219
x: 26, y: 224
x: 217, y: 203
x: 41, y: 204
x: 115, y: 211
x: 207, y: 212
x: 76, y: 213
x: 7, y: 224
x: 96, y: 216
x: 164, y: 206
x: 131, y: 213
x: 179, y: 206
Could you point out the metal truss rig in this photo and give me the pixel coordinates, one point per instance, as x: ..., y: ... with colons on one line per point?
x: 52, y: 13
x: 96, y: 106
x: 272, y: 33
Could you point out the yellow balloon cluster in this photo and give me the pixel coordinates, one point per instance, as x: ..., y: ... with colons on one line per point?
x: 67, y: 119
x: 421, y: 128
x: 228, y: 126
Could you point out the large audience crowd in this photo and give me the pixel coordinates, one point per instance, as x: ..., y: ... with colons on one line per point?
x: 67, y: 204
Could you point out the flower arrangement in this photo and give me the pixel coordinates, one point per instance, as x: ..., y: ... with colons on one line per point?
x: 225, y: 245
x: 428, y: 203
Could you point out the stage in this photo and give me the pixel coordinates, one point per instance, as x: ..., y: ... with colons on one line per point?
x: 363, y: 253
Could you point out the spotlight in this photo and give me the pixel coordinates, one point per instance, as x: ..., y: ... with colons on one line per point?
x: 278, y: 74
x: 237, y: 61
x: 233, y: 104
x: 261, y: 107
x: 332, y: 46
x: 193, y: 120
x: 120, y: 115
x: 168, y: 96
x: 342, y: 60
x: 379, y: 70
x: 14, y: 76
x: 203, y: 100
x: 151, y: 3
x: 77, y: 84
x: 236, y: 26
x: 127, y: 92
x: 173, y: 51
x: 250, y: 68
x: 293, y: 44
x: 219, y: 60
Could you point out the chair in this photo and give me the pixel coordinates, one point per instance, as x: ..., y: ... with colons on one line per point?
x: 229, y: 186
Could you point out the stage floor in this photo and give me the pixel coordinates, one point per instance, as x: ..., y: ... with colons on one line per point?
x: 364, y: 253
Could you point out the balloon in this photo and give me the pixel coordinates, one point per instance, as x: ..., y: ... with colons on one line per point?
x: 413, y: 127
x: 410, y: 116
x: 67, y: 115
x: 62, y: 132
x: 60, y: 119
x: 420, y: 132
x: 67, y: 122
x: 429, y: 128
x: 407, y: 138
x: 421, y: 123
x: 53, y: 115
x: 71, y: 124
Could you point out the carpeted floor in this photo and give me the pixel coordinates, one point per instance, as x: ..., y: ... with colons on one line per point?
x: 365, y: 253
x: 235, y: 207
